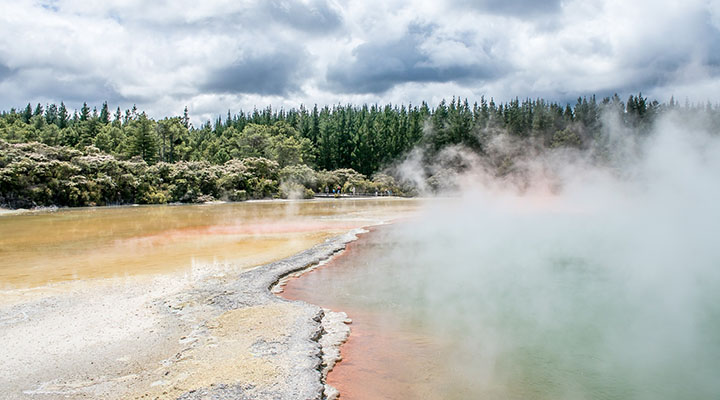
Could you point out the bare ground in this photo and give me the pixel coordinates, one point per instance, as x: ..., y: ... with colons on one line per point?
x: 218, y: 336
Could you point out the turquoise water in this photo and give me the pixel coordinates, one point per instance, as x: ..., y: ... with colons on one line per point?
x: 543, y: 304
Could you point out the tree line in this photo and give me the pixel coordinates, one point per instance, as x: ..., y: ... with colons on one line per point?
x: 51, y: 156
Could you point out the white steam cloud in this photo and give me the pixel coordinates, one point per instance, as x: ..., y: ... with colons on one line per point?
x: 570, y: 278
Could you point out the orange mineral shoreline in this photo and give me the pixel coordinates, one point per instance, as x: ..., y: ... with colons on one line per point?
x: 379, y: 359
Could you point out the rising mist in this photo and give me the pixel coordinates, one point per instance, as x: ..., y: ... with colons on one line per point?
x: 573, y: 274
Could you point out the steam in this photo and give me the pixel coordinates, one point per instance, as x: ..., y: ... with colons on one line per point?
x: 292, y: 190
x: 573, y: 274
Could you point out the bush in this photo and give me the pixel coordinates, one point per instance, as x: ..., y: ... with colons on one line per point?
x: 238, y: 195
x: 153, y: 197
x: 339, y: 177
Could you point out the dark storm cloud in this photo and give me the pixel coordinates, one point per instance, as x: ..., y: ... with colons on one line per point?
x: 516, y: 8
x: 377, y: 67
x: 275, y: 73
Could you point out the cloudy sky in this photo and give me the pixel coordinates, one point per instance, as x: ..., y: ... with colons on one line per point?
x: 215, y: 55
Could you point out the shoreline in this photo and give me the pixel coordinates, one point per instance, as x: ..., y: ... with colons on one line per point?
x: 54, y: 208
x: 377, y: 359
x: 344, y: 344
x: 323, y: 333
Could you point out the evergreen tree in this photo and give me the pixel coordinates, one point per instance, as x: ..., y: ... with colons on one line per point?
x: 84, y: 112
x: 51, y: 114
x: 326, y: 144
x: 186, y: 119
x: 27, y: 114
x: 62, y: 117
x: 144, y: 139
x: 38, y: 110
x: 315, y: 126
x: 104, y: 114
x: 117, y: 121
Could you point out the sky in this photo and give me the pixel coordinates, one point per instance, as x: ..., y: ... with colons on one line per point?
x: 213, y: 55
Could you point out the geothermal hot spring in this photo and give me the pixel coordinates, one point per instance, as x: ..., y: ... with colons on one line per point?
x: 606, y: 287
x: 589, y: 283
x: 150, y: 302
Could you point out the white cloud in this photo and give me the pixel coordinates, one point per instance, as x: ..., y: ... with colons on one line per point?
x: 165, y: 55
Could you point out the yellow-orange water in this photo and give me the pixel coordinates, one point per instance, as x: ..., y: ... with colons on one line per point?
x: 41, y: 248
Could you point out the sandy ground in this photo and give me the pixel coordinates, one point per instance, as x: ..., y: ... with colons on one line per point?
x: 218, y: 335
x: 7, y: 211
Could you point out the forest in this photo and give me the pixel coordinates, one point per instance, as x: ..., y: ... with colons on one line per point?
x: 50, y: 156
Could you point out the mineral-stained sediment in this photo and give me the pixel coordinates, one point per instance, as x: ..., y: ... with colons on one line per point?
x: 298, y: 344
x: 219, y: 336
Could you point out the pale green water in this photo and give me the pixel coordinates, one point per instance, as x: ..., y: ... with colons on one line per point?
x: 530, y: 306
